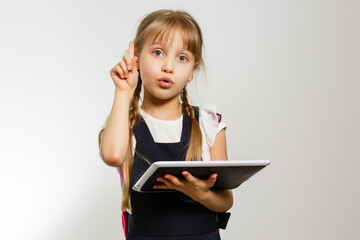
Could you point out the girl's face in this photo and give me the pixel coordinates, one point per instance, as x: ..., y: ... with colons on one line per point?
x: 165, y: 69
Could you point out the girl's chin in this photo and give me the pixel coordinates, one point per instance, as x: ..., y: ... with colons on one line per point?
x: 164, y: 95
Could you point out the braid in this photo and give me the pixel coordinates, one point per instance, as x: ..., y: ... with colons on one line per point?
x: 188, y: 107
x: 195, y: 143
x: 134, y: 105
x: 129, y: 161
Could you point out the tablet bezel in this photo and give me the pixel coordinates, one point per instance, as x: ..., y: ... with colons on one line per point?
x: 185, y: 164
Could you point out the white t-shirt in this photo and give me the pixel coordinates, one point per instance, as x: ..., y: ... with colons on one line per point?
x: 164, y: 131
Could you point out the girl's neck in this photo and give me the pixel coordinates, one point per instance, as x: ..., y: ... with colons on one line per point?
x: 170, y: 109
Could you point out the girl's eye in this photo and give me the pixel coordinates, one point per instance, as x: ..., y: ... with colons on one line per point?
x: 157, y: 53
x: 183, y: 58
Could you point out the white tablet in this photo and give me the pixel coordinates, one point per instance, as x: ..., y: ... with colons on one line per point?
x: 230, y: 173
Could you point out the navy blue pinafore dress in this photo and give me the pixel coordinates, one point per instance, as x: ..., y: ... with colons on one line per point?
x: 167, y: 215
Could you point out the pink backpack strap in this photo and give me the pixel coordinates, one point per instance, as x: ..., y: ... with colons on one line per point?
x: 124, y: 219
x: 124, y: 215
x: 218, y: 117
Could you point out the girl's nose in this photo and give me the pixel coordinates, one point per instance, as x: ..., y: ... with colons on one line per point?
x: 167, y: 67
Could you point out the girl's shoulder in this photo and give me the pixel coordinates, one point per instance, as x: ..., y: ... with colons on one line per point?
x: 211, y: 122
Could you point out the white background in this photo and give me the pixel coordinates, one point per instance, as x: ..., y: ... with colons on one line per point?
x: 284, y: 75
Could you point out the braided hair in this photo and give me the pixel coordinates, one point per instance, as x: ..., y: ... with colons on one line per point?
x: 195, y: 143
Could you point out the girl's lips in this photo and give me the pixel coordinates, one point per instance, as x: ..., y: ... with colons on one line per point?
x: 165, y: 82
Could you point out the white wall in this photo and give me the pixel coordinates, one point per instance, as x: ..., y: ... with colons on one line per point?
x: 284, y: 74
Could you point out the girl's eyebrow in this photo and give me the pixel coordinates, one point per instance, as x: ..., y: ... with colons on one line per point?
x: 156, y: 44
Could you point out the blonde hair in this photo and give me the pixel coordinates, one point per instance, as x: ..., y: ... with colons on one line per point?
x: 162, y: 24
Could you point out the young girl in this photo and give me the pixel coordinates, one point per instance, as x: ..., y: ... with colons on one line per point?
x: 162, y: 59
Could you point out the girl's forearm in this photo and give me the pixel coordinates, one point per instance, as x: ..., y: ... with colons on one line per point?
x: 115, y: 137
x: 217, y: 201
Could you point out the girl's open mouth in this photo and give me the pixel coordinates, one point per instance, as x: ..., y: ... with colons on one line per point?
x: 165, y: 83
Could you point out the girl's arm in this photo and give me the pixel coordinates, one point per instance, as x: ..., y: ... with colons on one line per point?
x: 114, y: 139
x: 198, y: 189
x: 218, y: 199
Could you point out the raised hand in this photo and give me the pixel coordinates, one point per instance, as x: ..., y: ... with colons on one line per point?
x: 125, y: 74
x: 194, y: 187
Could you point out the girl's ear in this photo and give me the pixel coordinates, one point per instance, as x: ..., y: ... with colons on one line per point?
x: 192, y: 73
x: 137, y: 64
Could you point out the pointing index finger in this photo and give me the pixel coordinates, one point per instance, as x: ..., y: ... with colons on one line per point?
x: 131, y: 49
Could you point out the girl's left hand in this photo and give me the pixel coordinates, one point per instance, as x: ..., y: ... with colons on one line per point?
x: 194, y: 187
